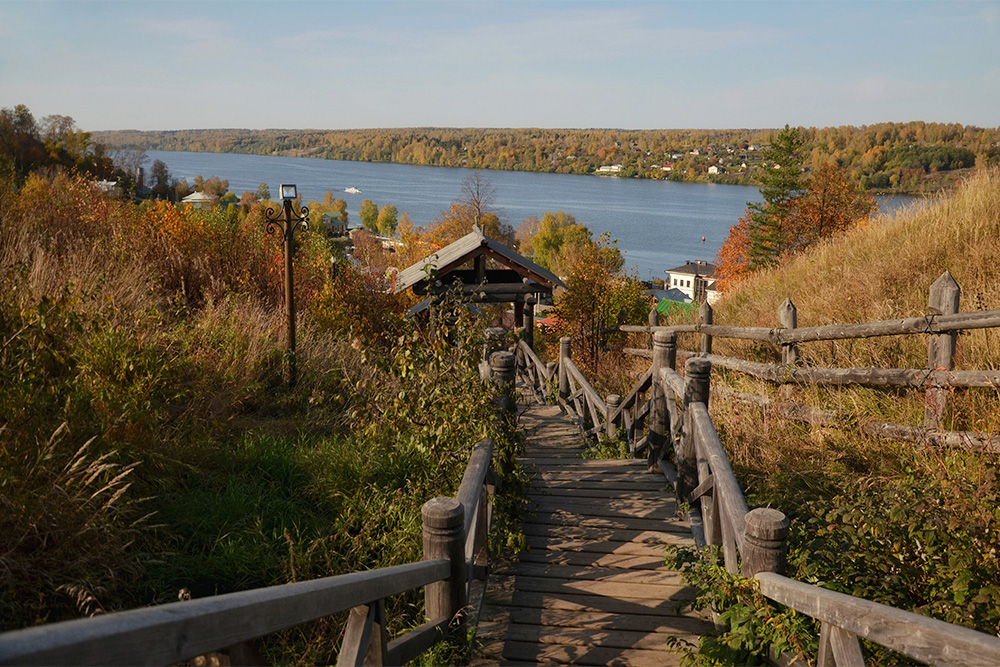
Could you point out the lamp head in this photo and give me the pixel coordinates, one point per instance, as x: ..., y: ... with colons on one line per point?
x: 288, y: 192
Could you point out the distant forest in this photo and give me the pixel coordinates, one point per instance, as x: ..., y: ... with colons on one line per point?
x: 913, y: 157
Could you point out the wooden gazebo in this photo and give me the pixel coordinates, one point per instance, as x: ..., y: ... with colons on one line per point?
x: 520, y: 281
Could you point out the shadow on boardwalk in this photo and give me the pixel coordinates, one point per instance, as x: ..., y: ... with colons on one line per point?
x: 591, y: 588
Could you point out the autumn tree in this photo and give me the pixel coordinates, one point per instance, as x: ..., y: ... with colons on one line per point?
x: 387, y: 219
x: 215, y: 186
x: 780, y: 184
x: 263, y: 192
x: 598, y: 292
x: 557, y: 235
x: 732, y: 264
x: 475, y: 207
x: 160, y: 180
x: 832, y: 203
x: 369, y: 215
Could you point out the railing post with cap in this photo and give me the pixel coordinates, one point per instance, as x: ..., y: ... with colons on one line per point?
x: 565, y: 352
x: 659, y: 419
x: 503, y: 372
x: 765, y: 542
x: 697, y: 375
x: 443, y: 519
x: 613, y: 401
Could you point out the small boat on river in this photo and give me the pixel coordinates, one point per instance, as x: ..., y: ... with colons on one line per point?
x: 352, y: 191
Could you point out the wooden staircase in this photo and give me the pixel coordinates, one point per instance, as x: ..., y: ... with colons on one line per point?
x: 591, y: 589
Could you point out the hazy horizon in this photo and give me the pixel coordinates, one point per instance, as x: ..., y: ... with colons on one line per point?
x: 570, y: 64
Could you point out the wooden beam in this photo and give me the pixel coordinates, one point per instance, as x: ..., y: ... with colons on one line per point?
x: 919, y: 637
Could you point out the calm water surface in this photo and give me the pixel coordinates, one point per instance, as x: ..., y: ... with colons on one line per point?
x: 658, y: 224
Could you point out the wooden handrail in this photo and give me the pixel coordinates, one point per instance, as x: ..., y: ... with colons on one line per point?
x: 178, y: 631
x: 728, y: 494
x: 523, y: 347
x: 919, y: 637
x: 869, y: 377
x: 587, y: 388
x: 927, y: 324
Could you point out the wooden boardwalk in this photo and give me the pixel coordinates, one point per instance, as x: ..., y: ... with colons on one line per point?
x: 591, y: 589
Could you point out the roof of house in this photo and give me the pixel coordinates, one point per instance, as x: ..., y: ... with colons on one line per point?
x: 696, y: 268
x: 465, y: 249
x: 196, y: 197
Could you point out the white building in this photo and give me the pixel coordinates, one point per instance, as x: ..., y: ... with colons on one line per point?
x: 695, y: 279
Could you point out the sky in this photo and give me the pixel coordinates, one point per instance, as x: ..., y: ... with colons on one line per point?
x: 158, y: 65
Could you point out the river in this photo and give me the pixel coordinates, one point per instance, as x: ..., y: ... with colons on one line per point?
x: 657, y: 224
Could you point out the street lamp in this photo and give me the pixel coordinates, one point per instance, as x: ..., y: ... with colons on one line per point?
x: 287, y: 224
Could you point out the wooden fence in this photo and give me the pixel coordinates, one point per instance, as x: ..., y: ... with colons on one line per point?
x: 941, y: 325
x: 666, y: 418
x: 454, y: 557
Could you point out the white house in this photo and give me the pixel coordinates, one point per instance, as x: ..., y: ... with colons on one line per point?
x: 695, y: 279
x: 199, y: 200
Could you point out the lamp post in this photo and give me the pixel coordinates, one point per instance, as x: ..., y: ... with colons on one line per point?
x: 287, y: 224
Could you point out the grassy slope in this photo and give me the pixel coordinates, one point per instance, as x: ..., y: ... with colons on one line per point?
x: 903, y: 524
x: 149, y: 449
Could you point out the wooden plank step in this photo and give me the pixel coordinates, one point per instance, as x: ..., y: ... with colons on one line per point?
x: 626, y: 523
x: 610, y: 589
x: 623, y: 561
x: 605, y: 621
x: 583, y: 655
x: 678, y: 605
x: 620, y: 485
x: 539, y: 543
x: 609, y: 464
x: 553, y: 571
x: 607, y: 507
x: 669, y: 534
x: 634, y: 494
x: 622, y: 639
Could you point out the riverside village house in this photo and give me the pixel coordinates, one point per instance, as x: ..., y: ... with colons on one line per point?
x: 695, y: 279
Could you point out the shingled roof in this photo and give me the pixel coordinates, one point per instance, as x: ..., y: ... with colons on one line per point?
x: 467, y: 248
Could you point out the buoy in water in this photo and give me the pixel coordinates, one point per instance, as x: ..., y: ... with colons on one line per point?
x: 702, y: 239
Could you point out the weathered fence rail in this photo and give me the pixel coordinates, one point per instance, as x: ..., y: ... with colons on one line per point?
x: 665, y: 416
x: 941, y: 325
x: 455, y: 533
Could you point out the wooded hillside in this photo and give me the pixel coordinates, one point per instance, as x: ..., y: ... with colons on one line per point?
x: 900, y: 157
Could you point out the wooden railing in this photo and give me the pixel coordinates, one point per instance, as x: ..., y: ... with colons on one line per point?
x: 455, y: 531
x: 666, y: 417
x: 941, y: 325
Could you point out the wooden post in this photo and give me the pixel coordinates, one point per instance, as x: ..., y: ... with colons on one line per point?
x: 550, y: 368
x: 613, y: 401
x: 697, y: 375
x: 705, y: 317
x: 659, y: 416
x: 565, y: 352
x: 654, y: 321
x: 788, y: 318
x: 670, y: 346
x: 529, y: 322
x: 443, y: 519
x: 765, y: 541
x: 944, y: 297
x: 503, y: 370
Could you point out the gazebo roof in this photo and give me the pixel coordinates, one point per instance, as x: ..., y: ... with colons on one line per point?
x: 469, y: 247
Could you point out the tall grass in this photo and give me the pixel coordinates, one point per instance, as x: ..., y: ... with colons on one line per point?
x: 148, y: 446
x: 905, y: 524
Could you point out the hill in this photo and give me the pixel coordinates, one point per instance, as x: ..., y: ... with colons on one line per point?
x: 906, y: 524
x: 911, y: 157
